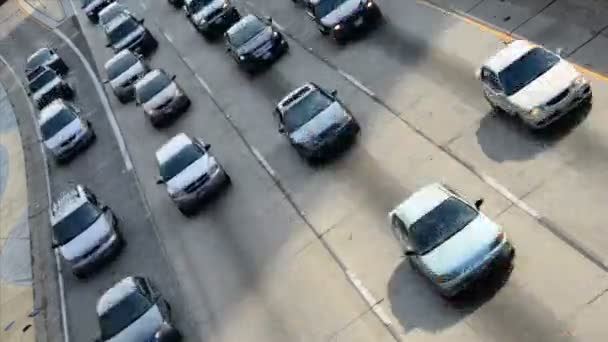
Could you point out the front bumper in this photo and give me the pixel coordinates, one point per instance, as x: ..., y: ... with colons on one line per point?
x: 178, y: 105
x: 252, y: 63
x: 144, y: 45
x: 78, y: 144
x: 363, y: 19
x: 215, y: 183
x: 222, y: 22
x: 581, y: 96
x: 334, y: 144
x: 99, y: 256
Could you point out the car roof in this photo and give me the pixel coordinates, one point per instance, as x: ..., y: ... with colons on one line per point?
x: 118, y: 57
x: 50, y: 110
x: 290, y: 99
x: 115, y: 294
x: 117, y: 20
x: 38, y: 52
x: 149, y: 77
x: 421, y: 202
x: 171, y: 147
x: 246, y: 20
x: 508, y: 55
x: 66, y: 203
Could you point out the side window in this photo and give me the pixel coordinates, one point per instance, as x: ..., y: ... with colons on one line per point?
x: 490, y: 78
x: 398, y: 224
x: 143, y: 287
x: 90, y: 196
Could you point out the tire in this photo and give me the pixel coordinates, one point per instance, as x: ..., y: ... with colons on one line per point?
x: 323, y: 30
x: 185, y: 211
x: 228, y: 179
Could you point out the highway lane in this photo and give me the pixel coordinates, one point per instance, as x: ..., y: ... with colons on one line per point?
x: 347, y: 200
x: 102, y: 169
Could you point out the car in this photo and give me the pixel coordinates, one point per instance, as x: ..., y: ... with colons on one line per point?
x: 211, y: 17
x: 161, y: 97
x: 533, y: 83
x: 45, y: 86
x: 190, y: 173
x: 449, y: 241
x: 343, y: 18
x: 132, y: 310
x: 112, y: 11
x: 84, y: 230
x: 315, y: 122
x: 126, y: 32
x: 46, y: 57
x: 64, y: 132
x: 123, y: 70
x: 253, y: 43
x: 92, y: 8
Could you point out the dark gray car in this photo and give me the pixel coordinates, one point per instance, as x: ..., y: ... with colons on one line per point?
x: 46, y: 57
x: 126, y: 32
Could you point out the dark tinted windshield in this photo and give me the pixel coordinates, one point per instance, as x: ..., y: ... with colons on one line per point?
x: 305, y: 109
x: 38, y: 59
x: 120, y: 316
x: 121, y: 65
x: 249, y: 30
x: 526, y: 69
x: 39, y: 82
x: 53, y: 125
x: 197, y: 5
x: 180, y: 161
x: 324, y: 7
x: 152, y: 87
x: 122, y: 30
x: 75, y: 223
x: 438, y: 225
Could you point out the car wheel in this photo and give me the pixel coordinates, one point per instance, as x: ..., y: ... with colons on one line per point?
x: 79, y: 275
x: 323, y: 30
x: 188, y: 212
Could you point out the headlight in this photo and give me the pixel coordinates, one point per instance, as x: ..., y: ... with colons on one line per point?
x: 213, y: 168
x: 579, y: 82
x: 242, y: 57
x: 536, y: 112
x: 369, y: 4
x: 225, y: 5
x: 174, y: 193
x: 275, y: 34
x: 338, y: 27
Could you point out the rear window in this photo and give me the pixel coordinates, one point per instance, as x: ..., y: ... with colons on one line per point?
x: 123, y: 314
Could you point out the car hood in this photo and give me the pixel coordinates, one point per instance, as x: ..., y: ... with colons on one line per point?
x: 162, y: 97
x: 545, y: 87
x: 67, y: 131
x: 143, y: 329
x: 135, y: 69
x: 205, y: 11
x: 335, y: 114
x: 91, y: 6
x: 190, y: 174
x: 343, y: 11
x: 87, y: 240
x: 464, y: 249
x: 257, y: 40
x: 47, y: 87
x: 128, y: 39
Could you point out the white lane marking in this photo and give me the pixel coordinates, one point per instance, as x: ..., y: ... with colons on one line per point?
x: 264, y: 163
x: 169, y: 38
x: 203, y: 83
x: 356, y: 82
x: 144, y: 6
x: 104, y: 101
x: 279, y: 26
x: 62, y: 302
x: 493, y: 183
x: 372, y: 302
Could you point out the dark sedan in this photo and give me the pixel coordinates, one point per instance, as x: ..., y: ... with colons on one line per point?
x: 92, y: 8
x: 254, y: 43
x: 315, y: 122
x: 211, y: 17
x: 126, y: 32
x: 46, y: 57
x: 343, y: 18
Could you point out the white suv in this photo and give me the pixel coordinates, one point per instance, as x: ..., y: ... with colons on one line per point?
x: 533, y: 83
x: 84, y: 230
x: 189, y: 171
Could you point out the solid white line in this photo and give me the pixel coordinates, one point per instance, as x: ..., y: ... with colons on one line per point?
x: 143, y: 5
x: 510, y: 196
x: 279, y: 26
x: 369, y: 298
x: 169, y: 38
x: 356, y: 82
x: 104, y: 101
x: 264, y: 163
x: 62, y: 304
x: 204, y: 84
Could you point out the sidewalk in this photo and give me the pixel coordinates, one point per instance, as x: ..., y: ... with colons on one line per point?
x: 16, y: 293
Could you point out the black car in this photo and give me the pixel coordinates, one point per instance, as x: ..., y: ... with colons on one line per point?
x: 92, y: 8
x: 46, y: 57
x: 176, y: 3
x: 343, y: 18
x: 254, y: 43
x: 315, y: 122
x: 211, y: 17
x: 45, y: 86
x: 126, y: 32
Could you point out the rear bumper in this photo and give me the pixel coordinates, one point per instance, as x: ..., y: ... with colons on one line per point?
x: 177, y: 106
x: 334, y: 145
x: 102, y: 255
x: 214, y: 184
x: 220, y: 24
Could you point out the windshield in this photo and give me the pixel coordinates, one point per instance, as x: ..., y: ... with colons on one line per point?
x: 56, y: 123
x: 324, y: 7
x: 247, y: 31
x: 526, y: 69
x: 121, y: 315
x: 42, y: 80
x: 38, y: 59
x: 121, y: 65
x: 110, y: 13
x: 439, y: 224
x: 152, y: 87
x: 197, y: 5
x: 186, y: 156
x: 304, y: 110
x: 122, y: 30
x: 85, y: 2
x: 75, y: 223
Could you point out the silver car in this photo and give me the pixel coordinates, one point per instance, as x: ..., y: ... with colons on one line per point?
x: 45, y: 85
x: 189, y: 171
x: 84, y: 230
x: 123, y: 70
x: 134, y: 310
x: 160, y: 96
x: 446, y: 239
x: 64, y: 132
x: 533, y: 83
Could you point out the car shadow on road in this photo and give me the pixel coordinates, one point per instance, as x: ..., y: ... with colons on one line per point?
x: 416, y: 305
x: 503, y: 137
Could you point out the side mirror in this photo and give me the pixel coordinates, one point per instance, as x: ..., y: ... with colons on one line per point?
x: 54, y: 244
x: 269, y: 19
x: 409, y: 252
x: 141, y: 21
x: 559, y: 51
x: 108, y: 44
x: 334, y: 93
x: 160, y: 181
x: 310, y: 15
x: 282, y: 129
x: 173, y: 77
x: 478, y: 203
x: 105, y: 208
x: 478, y: 74
x: 137, y: 104
x: 105, y: 81
x: 207, y: 147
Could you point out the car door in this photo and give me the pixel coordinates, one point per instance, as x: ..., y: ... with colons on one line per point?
x: 492, y: 89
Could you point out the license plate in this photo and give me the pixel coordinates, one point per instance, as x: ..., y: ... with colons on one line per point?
x: 359, y: 22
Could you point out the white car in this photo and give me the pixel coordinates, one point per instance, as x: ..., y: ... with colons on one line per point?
x: 190, y: 173
x: 448, y: 240
x: 84, y: 230
x: 533, y: 83
x: 123, y: 70
x: 63, y: 131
